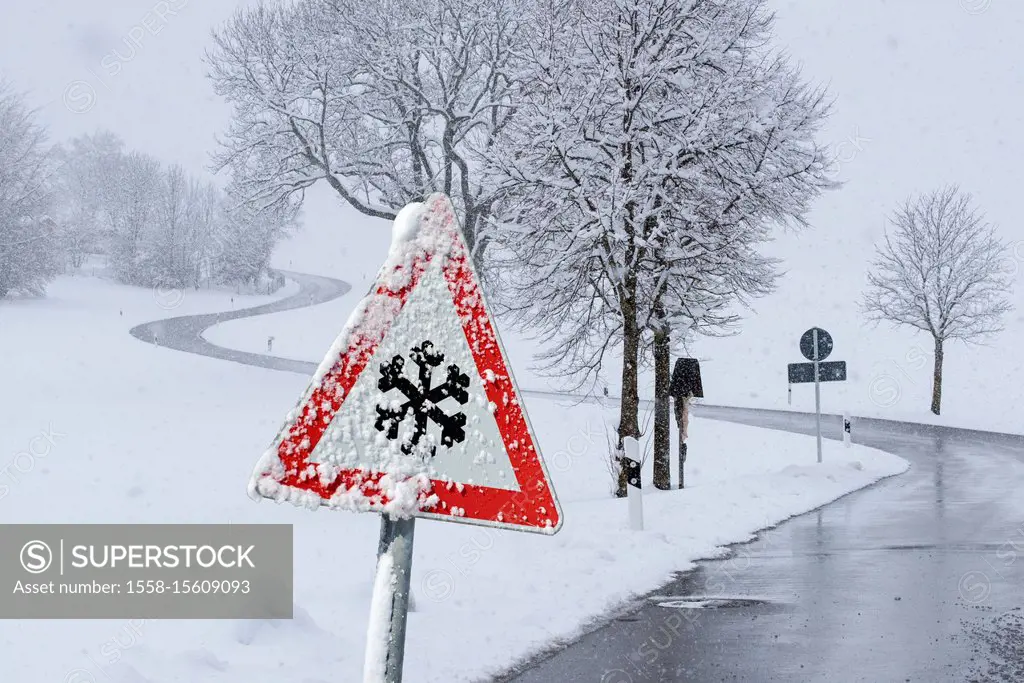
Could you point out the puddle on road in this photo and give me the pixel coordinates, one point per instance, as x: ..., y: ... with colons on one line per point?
x: 705, y: 601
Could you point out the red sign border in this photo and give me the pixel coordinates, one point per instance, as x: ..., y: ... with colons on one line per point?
x: 533, y: 508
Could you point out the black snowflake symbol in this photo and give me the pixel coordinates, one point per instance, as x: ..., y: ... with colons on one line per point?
x: 422, y: 400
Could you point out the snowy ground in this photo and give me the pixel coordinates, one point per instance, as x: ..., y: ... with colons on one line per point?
x: 143, y: 434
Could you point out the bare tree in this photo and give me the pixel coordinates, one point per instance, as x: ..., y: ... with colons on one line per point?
x: 940, y: 271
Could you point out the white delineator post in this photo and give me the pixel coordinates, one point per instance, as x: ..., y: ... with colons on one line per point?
x: 847, y: 436
x: 631, y: 462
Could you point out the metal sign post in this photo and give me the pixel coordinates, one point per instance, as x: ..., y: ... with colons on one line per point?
x: 682, y: 465
x: 816, y: 345
x: 817, y: 392
x: 683, y: 422
x: 390, y: 601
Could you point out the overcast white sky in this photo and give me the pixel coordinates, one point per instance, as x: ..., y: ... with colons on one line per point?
x: 134, y: 66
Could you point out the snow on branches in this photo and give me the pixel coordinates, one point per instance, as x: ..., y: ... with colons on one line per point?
x: 941, y: 270
x: 386, y: 101
x: 659, y: 145
x: 29, y: 248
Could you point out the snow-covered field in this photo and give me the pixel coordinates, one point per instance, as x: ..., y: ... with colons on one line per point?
x: 142, y: 434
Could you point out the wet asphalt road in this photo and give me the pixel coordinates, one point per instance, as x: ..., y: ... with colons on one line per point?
x: 914, y: 579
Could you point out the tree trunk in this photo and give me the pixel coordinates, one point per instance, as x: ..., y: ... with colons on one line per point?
x: 629, y: 422
x: 662, y: 421
x: 937, y: 378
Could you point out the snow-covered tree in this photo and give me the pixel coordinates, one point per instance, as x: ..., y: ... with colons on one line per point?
x: 29, y: 248
x: 658, y: 145
x: 184, y: 227
x: 168, y: 263
x: 130, y: 215
x: 384, y: 100
x: 940, y: 271
x: 207, y: 222
x: 246, y: 240
x: 159, y: 226
x: 88, y: 167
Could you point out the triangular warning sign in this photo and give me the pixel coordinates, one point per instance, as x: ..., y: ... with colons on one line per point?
x: 414, y: 411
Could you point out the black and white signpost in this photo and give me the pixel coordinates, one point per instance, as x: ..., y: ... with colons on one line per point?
x: 816, y: 345
x: 634, y: 488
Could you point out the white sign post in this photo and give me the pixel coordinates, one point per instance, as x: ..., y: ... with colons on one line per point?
x: 633, y: 484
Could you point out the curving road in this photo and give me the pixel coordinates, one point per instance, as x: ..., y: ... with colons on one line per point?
x: 185, y: 333
x: 915, y: 579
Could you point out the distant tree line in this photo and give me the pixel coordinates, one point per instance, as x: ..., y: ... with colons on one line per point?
x: 155, y: 225
x: 158, y: 225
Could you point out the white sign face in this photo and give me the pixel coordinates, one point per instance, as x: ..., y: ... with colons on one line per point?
x: 414, y: 410
x: 474, y: 455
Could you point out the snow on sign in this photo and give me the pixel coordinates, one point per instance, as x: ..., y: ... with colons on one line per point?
x: 414, y: 411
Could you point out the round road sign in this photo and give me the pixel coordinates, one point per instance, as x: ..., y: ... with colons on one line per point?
x: 824, y: 344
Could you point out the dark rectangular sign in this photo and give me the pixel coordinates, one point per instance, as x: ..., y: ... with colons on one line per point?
x: 686, y: 379
x: 829, y: 371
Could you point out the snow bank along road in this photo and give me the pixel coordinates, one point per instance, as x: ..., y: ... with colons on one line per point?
x: 914, y: 579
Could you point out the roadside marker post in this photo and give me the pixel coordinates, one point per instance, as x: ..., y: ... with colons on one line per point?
x: 847, y: 435
x: 634, y: 491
